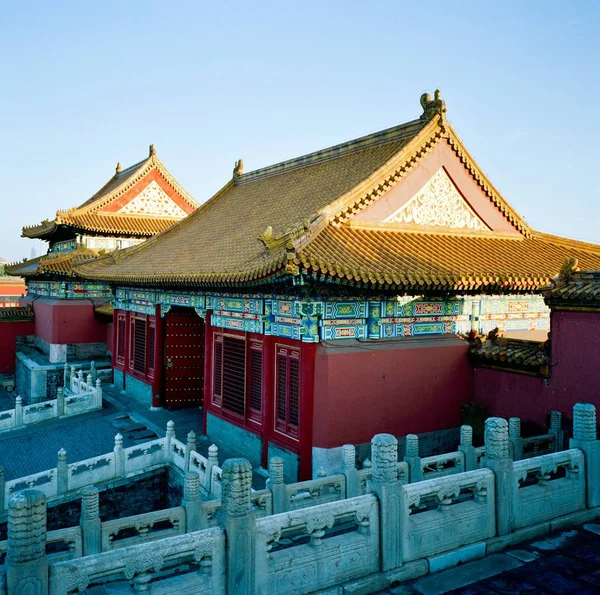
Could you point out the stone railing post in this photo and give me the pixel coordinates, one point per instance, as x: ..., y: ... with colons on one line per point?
x: 98, y: 394
x: 93, y: 372
x: 237, y: 519
x: 514, y: 436
x: 119, y: 456
x: 466, y: 447
x: 384, y: 483
x: 18, y: 411
x: 60, y: 402
x: 191, y: 502
x: 66, y: 375
x: 189, y: 446
x: 212, y: 460
x: 89, y: 521
x: 2, y: 490
x: 349, y: 470
x: 585, y: 438
x: 276, y: 485
x: 72, y: 376
x: 556, y: 430
x: 411, y: 456
x: 89, y: 383
x: 62, y: 472
x: 497, y: 458
x: 169, y: 435
x: 80, y: 378
x: 26, y: 562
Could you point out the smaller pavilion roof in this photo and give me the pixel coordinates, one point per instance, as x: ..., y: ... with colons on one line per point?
x: 16, y: 314
x: 514, y: 355
x: 574, y: 289
x: 60, y: 264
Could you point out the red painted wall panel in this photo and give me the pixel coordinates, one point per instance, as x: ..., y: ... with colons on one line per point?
x: 574, y: 374
x: 399, y: 387
x: 9, y: 331
x: 66, y: 321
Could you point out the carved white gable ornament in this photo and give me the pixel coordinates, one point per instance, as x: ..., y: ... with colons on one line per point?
x: 153, y: 200
x: 439, y: 204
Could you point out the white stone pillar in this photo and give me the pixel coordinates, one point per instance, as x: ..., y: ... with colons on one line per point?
x: 276, y: 484
x: 93, y: 372
x: 119, y: 457
x: 191, y: 502
x: 349, y: 470
x: 190, y: 445
x: 89, y: 521
x: 169, y: 435
x: 72, y: 378
x: 411, y: 456
x: 18, y: 411
x: 514, y: 436
x: 497, y: 458
x: 2, y: 490
x: 62, y: 472
x: 26, y: 562
x: 384, y: 483
x: 98, y: 394
x: 212, y: 460
x: 466, y: 447
x: 60, y: 402
x: 66, y: 375
x: 585, y: 438
x: 237, y: 519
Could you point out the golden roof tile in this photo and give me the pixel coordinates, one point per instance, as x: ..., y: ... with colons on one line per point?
x: 516, y: 355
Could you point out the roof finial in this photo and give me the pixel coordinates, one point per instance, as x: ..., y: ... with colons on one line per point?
x: 152, y: 151
x: 434, y: 106
x: 238, y: 170
x: 118, y: 168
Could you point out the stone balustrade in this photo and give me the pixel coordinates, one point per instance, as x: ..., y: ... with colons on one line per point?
x: 397, y: 531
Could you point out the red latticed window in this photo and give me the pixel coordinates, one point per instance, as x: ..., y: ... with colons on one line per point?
x: 151, y: 346
x: 121, y: 339
x: 138, y: 337
x: 218, y: 370
x: 287, y: 398
x: 234, y: 375
x: 255, y: 381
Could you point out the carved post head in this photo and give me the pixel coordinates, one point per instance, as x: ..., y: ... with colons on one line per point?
x: 19, y: 401
x: 90, y: 503
x: 496, y: 438
x: 275, y: 470
x: 98, y: 383
x: 80, y: 374
x: 384, y: 454
x: 66, y: 367
x: 191, y: 439
x: 322, y: 472
x: 514, y: 428
x: 62, y: 456
x: 170, y: 429
x: 411, y: 446
x: 73, y: 370
x: 191, y: 487
x: 118, y: 442
x: 89, y: 379
x: 466, y: 435
x: 584, y: 421
x: 348, y: 457
x: 237, y: 486
x: 92, y: 365
x: 555, y: 420
x: 26, y: 526
x: 213, y: 454
x: 60, y: 393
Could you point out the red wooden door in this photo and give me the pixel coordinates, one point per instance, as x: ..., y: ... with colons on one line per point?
x: 184, y: 359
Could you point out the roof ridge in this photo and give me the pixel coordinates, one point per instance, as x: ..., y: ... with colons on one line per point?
x: 368, y: 141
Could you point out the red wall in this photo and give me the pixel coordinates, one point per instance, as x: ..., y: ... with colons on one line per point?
x: 396, y: 387
x: 8, y: 342
x: 574, y: 374
x: 66, y: 321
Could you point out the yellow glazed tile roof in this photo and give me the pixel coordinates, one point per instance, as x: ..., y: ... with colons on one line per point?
x: 53, y: 264
x: 16, y: 314
x: 575, y: 288
x: 89, y: 217
x: 512, y: 354
x: 293, y: 217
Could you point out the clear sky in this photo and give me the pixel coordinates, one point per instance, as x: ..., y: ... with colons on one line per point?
x: 86, y: 84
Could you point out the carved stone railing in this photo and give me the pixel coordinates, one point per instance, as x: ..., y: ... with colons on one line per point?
x: 447, y: 513
x: 442, y: 465
x: 548, y: 486
x: 285, y: 564
x: 203, y: 551
x: 314, y: 492
x: 146, y: 527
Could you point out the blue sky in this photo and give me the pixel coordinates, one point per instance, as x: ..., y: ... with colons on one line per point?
x: 87, y: 84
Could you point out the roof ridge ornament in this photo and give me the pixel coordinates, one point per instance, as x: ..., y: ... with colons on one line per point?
x: 238, y: 169
x: 152, y: 151
x: 118, y: 169
x: 434, y: 106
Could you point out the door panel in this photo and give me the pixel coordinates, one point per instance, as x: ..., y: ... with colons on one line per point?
x: 184, y: 359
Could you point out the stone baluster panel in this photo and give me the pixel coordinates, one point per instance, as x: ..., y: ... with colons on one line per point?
x: 276, y: 485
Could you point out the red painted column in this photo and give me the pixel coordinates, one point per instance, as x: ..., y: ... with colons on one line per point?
x: 159, y: 357
x: 127, y: 348
x: 208, y: 368
x: 114, y: 344
x: 268, y: 399
x: 305, y: 430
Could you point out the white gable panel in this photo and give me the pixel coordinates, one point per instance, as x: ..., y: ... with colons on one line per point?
x: 153, y: 200
x: 438, y: 204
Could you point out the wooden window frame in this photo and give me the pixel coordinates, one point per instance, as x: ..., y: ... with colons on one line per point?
x: 252, y: 414
x: 121, y: 334
x: 149, y: 356
x: 284, y: 427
